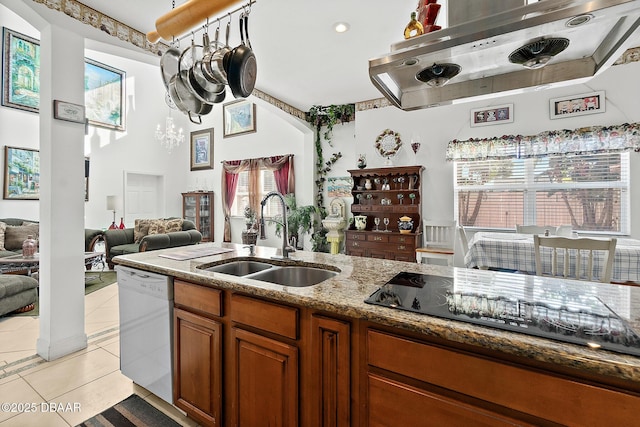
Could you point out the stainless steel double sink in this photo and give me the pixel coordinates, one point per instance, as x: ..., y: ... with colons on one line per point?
x: 297, y: 275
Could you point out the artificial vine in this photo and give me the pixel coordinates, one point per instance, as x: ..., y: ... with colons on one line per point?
x: 319, y: 117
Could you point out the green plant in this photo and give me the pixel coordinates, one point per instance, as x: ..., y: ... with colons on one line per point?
x: 301, y: 219
x: 328, y: 117
x: 250, y: 217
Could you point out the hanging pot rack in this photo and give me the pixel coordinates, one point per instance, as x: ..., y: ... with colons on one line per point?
x: 186, y: 16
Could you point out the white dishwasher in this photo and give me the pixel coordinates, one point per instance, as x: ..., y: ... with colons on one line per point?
x: 146, y: 329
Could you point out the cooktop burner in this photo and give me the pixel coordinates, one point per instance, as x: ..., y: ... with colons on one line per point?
x: 571, y: 315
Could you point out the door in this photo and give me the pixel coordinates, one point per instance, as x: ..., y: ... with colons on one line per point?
x: 144, y: 197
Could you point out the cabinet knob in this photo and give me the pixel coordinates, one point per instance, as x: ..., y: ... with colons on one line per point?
x: 377, y: 238
x: 401, y: 247
x: 356, y: 244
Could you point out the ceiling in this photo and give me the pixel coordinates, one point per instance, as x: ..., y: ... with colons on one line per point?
x: 301, y: 59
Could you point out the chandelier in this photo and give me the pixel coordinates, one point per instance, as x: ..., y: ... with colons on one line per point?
x: 169, y: 139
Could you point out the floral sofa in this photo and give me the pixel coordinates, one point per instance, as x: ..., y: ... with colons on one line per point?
x: 150, y: 235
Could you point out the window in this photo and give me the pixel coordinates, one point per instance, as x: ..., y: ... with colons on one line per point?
x: 266, y: 185
x: 590, y: 192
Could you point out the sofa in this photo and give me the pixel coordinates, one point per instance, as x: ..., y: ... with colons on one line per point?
x: 13, y: 231
x: 150, y: 235
x: 19, y: 292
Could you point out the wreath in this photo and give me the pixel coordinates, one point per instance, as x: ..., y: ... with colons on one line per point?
x: 388, y: 143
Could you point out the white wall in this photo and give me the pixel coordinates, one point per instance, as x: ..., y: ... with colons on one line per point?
x: 135, y: 150
x: 438, y: 126
x: 111, y: 152
x: 18, y: 128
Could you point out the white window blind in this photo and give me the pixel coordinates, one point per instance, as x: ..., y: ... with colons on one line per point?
x: 589, y: 192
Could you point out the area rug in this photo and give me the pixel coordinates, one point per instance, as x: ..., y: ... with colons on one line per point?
x: 94, y: 280
x: 133, y: 411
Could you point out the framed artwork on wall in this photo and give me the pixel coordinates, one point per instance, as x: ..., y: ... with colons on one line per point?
x: 239, y: 117
x: 20, y: 71
x: 21, y: 173
x: 86, y: 179
x: 492, y: 115
x: 201, y: 149
x: 104, y: 95
x: 68, y: 111
x: 339, y: 186
x: 577, y: 105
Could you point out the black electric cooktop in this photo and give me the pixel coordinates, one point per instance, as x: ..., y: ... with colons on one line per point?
x: 569, y: 314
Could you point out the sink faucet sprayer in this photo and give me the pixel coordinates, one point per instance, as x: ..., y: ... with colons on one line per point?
x: 286, y: 247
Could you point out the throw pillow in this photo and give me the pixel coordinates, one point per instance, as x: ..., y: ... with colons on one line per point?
x: 3, y: 227
x: 14, y: 236
x: 157, y: 226
x: 141, y: 229
x: 172, y: 225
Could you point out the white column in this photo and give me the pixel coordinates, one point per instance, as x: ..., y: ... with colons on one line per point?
x: 61, y: 196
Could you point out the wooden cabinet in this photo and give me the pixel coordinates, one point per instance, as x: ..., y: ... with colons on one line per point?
x: 411, y: 382
x: 198, y: 207
x: 331, y: 350
x: 391, y: 193
x: 265, y: 379
x: 198, y: 367
x: 197, y: 364
x: 265, y: 369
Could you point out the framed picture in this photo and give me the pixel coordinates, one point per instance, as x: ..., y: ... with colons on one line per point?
x: 577, y: 105
x: 21, y: 173
x: 68, y: 111
x: 104, y: 95
x: 86, y: 179
x: 339, y: 186
x: 239, y: 117
x: 201, y: 154
x: 492, y: 115
x: 20, y: 71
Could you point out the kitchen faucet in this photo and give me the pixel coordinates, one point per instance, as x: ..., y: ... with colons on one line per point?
x: 286, y: 247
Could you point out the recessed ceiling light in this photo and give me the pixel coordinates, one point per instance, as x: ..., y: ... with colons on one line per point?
x: 341, y: 27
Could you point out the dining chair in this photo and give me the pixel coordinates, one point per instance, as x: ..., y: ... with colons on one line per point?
x: 574, y: 252
x: 464, y: 241
x: 536, y: 229
x: 439, y: 240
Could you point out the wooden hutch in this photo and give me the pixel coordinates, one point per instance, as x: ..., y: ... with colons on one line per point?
x: 389, y: 192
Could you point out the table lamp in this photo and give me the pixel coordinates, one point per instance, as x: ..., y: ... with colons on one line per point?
x: 112, y: 205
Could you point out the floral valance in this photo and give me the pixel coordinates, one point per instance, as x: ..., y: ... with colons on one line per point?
x: 596, y: 139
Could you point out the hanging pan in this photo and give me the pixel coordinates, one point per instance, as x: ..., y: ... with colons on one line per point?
x: 242, y: 67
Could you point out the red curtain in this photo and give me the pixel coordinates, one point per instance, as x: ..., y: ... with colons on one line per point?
x: 230, y: 171
x: 282, y: 168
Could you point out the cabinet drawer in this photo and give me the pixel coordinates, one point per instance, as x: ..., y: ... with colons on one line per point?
x: 494, y: 381
x: 378, y: 237
x: 407, y: 238
x: 197, y: 297
x: 270, y: 317
x: 356, y: 236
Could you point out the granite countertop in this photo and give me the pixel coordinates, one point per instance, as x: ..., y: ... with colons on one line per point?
x: 359, y: 277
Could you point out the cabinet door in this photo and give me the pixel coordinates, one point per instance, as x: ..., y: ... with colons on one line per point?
x: 204, y: 217
x: 393, y: 403
x: 332, y: 372
x: 265, y: 381
x: 198, y: 368
x: 189, y: 208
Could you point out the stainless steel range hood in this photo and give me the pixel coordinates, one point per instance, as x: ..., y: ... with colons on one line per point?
x: 595, y: 34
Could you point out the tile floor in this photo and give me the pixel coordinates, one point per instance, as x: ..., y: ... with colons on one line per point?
x: 89, y: 379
